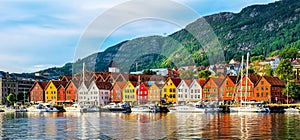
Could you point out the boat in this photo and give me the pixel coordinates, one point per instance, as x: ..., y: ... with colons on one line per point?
x: 50, y: 108
x: 250, y: 107
x: 116, y: 107
x: 187, y: 109
x: 21, y: 109
x: 142, y: 108
x: 92, y: 109
x: 244, y: 105
x: 36, y: 108
x: 292, y: 110
x: 74, y: 108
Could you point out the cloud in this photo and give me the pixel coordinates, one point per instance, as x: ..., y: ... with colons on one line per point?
x: 35, y: 33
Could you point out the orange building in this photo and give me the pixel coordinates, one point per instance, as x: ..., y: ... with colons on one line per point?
x: 269, y: 89
x: 71, y: 92
x: 227, y: 89
x: 211, y: 89
x: 246, y: 92
x: 116, y: 92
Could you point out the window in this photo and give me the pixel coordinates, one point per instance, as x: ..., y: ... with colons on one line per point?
x: 262, y: 82
x: 257, y: 94
x: 262, y: 88
x: 191, y: 91
x: 267, y: 94
x: 262, y: 94
x: 165, y: 90
x: 267, y: 88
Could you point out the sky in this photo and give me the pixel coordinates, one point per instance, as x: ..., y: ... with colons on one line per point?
x: 36, y: 35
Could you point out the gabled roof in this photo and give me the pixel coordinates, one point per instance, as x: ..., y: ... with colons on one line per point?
x: 121, y: 84
x: 176, y: 81
x: 66, y: 78
x: 218, y: 81
x: 274, y: 81
x: 234, y: 79
x: 188, y: 82
x: 41, y: 84
x: 201, y: 81
x: 254, y: 78
x: 104, y: 85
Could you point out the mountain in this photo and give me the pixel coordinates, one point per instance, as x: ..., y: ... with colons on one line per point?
x: 258, y: 29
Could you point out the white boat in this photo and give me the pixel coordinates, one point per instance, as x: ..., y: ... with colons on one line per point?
x: 188, y: 109
x: 142, y: 108
x: 92, y: 109
x: 292, y: 110
x: 250, y: 107
x: 50, y: 108
x: 74, y: 108
x: 36, y: 108
x: 114, y: 107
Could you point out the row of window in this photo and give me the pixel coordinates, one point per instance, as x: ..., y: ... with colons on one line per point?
x: 191, y: 96
x: 52, y: 92
x: 170, y: 96
x: 170, y: 90
x: 262, y: 94
x: 129, y: 96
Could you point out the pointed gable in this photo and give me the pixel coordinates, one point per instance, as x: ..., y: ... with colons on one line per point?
x: 188, y: 82
x: 201, y: 81
x: 217, y: 81
x: 121, y: 85
x: 254, y: 78
x: 176, y: 81
x: 104, y: 85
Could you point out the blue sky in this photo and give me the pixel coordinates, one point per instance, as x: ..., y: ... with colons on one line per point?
x: 37, y: 34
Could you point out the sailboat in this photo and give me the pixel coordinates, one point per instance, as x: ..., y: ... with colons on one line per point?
x: 290, y: 109
x: 248, y: 106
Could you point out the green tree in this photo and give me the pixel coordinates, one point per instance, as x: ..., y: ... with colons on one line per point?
x: 289, y: 52
x: 291, y: 89
x: 250, y: 71
x: 284, y: 69
x: 11, y: 98
x: 268, y: 71
x: 148, y: 71
x: 187, y: 74
x: 204, y: 74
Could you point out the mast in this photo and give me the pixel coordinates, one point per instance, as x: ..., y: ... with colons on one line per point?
x: 247, y: 66
x: 139, y: 90
x: 241, y: 91
x: 83, y: 72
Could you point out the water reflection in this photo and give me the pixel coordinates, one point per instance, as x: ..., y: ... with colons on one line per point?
x: 149, y: 126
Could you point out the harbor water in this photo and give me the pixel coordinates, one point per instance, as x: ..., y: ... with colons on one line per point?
x: 67, y: 125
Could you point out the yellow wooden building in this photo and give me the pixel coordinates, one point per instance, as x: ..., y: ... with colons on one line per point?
x: 51, y: 91
x: 169, y: 90
x: 129, y: 93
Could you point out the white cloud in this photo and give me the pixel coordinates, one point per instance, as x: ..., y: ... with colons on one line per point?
x: 35, y: 33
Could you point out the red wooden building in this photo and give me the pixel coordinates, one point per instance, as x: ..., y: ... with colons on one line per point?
x: 211, y: 89
x: 37, y: 92
x: 142, y: 94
